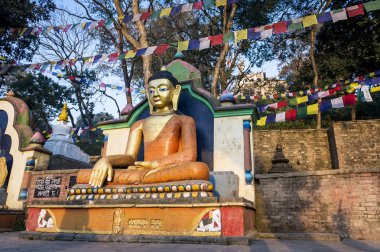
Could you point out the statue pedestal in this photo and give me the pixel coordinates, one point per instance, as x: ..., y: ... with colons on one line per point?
x: 208, y: 217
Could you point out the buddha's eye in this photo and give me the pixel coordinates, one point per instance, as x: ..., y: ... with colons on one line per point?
x: 164, y: 89
x: 151, y: 91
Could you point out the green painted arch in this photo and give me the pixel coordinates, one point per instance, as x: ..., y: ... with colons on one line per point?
x: 188, y: 86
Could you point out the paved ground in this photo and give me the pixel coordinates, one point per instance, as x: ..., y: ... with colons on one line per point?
x: 11, y: 242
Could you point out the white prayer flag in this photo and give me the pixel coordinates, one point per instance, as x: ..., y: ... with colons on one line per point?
x: 204, y: 43
x: 338, y: 15
x: 136, y: 17
x: 337, y: 102
x: 367, y: 95
x: 280, y: 117
x: 266, y: 33
x: 187, y: 7
x: 150, y: 50
x: 323, y: 94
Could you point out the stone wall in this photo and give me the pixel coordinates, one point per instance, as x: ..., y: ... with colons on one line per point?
x: 331, y: 201
x: 64, y: 178
x: 358, y: 144
x: 307, y: 150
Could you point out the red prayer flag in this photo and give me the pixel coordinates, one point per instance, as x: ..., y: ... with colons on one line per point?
x: 291, y: 115
x: 145, y: 16
x: 282, y: 104
x: 101, y: 23
x: 279, y: 27
x: 268, y: 27
x: 349, y: 99
x: 216, y: 40
x: 198, y: 5
x: 355, y: 10
x: 256, y: 98
x: 275, y: 96
x: 113, y: 57
x: 161, y: 49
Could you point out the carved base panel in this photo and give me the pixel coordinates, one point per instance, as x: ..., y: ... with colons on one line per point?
x: 193, y: 219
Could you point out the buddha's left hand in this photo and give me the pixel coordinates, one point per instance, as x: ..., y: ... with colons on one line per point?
x: 147, y: 164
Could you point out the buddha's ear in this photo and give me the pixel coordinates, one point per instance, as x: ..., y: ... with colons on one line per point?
x: 175, y: 99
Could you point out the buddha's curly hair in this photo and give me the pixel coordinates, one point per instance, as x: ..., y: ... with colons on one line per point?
x: 164, y: 74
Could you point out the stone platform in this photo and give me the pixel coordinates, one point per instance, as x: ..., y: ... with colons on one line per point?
x: 193, y: 217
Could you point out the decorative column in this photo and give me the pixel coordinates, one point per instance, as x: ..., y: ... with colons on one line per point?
x: 247, y: 151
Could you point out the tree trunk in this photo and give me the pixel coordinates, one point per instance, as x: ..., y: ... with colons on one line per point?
x: 353, y: 113
x: 315, y: 67
x: 227, y: 23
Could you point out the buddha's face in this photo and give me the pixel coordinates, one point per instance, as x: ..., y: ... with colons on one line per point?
x: 161, y: 93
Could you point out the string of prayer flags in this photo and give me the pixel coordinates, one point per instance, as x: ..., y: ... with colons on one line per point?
x: 255, y: 33
x: 166, y: 12
x: 303, y: 112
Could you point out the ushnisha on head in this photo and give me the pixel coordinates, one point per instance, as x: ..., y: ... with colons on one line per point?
x: 163, y: 93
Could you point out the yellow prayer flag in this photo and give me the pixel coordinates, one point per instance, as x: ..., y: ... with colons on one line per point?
x: 302, y: 99
x: 300, y: 92
x: 309, y: 20
x: 242, y: 34
x: 283, y: 95
x: 83, y: 25
x: 372, y: 74
x: 130, y: 54
x: 312, y: 109
x: 375, y: 89
x: 182, y: 46
x: 23, y: 31
x: 262, y: 121
x: 352, y: 87
x: 219, y: 3
x: 165, y: 12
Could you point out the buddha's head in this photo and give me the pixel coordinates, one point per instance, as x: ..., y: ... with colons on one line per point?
x: 163, y: 92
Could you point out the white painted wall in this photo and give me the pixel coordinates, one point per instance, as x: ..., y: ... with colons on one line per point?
x: 18, y: 167
x: 229, y: 151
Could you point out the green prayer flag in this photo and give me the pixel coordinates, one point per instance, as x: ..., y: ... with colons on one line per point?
x: 301, y: 112
x: 156, y: 14
x: 372, y: 6
x: 293, y: 102
x: 295, y: 25
x: 207, y: 4
x: 228, y: 37
x: 109, y: 22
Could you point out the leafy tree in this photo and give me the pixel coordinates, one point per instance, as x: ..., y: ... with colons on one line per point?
x: 44, y: 97
x: 92, y: 144
x: 21, y: 14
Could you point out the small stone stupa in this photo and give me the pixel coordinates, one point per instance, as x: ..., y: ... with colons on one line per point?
x: 61, y: 143
x: 280, y: 163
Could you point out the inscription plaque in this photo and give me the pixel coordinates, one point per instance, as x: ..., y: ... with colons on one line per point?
x: 48, y: 187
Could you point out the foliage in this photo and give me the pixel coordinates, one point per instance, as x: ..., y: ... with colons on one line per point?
x: 20, y: 14
x: 92, y: 144
x: 44, y: 97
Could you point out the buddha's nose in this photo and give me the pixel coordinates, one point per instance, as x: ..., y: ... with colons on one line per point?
x: 155, y: 92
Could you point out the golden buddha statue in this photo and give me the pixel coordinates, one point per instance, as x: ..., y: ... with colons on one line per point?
x: 170, y: 148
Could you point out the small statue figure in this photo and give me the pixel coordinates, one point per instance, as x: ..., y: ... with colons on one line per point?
x: 170, y: 148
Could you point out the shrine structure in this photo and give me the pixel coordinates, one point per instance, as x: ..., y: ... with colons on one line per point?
x: 199, y: 187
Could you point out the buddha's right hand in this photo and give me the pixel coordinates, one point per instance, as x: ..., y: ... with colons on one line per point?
x: 102, y: 170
